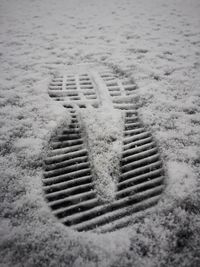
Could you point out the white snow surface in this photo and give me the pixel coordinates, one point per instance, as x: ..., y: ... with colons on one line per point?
x: 104, y: 131
x: 157, y: 43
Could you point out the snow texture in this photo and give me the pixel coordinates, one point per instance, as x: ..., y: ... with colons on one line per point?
x: 157, y: 43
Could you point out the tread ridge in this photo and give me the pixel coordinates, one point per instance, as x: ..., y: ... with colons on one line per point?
x: 68, y: 180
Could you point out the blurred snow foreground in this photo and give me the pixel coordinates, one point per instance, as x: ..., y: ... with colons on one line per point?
x: 156, y: 43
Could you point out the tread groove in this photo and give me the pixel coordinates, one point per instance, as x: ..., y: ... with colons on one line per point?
x: 68, y: 177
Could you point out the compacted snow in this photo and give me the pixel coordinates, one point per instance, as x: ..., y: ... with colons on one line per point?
x: 157, y: 43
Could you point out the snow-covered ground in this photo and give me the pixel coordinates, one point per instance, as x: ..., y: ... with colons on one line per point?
x: 157, y: 42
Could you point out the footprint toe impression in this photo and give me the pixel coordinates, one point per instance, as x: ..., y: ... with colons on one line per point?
x: 104, y: 166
